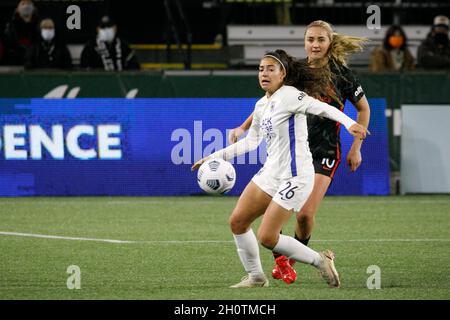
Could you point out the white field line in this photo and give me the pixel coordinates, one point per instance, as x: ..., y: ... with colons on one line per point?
x: 45, y: 236
x: 327, y: 202
x: 168, y: 202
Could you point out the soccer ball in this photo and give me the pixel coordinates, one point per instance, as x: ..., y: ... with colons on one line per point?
x: 216, y: 176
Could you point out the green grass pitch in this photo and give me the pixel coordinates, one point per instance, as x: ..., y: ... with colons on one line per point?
x: 181, y: 248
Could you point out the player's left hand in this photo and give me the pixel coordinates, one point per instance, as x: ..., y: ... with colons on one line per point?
x: 354, y: 158
x: 234, y: 134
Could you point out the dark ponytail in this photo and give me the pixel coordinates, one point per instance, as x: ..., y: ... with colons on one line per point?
x: 300, y: 75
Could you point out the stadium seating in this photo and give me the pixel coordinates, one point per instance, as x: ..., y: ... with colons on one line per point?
x: 255, y: 40
x: 247, y: 43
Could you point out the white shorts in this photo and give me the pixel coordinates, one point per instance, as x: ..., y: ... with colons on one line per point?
x: 290, y: 193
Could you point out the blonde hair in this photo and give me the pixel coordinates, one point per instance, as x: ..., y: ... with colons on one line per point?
x: 342, y: 46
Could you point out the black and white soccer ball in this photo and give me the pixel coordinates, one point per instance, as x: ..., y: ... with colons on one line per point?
x: 216, y: 176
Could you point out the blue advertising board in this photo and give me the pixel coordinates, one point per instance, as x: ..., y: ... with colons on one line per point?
x: 145, y: 147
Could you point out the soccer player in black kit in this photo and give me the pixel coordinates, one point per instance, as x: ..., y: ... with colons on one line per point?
x: 327, y: 53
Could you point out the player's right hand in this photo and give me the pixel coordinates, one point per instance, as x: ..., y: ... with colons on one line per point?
x: 358, y: 130
x: 234, y: 134
x: 197, y: 165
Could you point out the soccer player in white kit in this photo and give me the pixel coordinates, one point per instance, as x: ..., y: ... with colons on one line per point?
x: 285, y: 181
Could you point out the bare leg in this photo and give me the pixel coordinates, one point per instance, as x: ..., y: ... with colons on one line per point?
x: 306, y: 216
x: 269, y: 236
x: 252, y: 203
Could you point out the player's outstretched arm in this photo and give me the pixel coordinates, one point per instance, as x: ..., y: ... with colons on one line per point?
x: 320, y: 108
x: 249, y: 143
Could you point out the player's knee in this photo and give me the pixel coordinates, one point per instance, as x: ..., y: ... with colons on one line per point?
x: 302, y: 219
x: 267, y: 240
x: 237, y: 224
x: 306, y: 215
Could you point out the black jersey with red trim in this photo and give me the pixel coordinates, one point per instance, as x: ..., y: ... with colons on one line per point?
x: 323, y: 133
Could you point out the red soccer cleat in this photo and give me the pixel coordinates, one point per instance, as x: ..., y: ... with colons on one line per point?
x: 292, y: 262
x: 283, y: 270
x: 276, y: 274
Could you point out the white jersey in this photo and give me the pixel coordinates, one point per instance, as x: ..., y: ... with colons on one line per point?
x: 281, y: 121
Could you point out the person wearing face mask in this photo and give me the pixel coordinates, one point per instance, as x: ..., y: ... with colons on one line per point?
x: 49, y: 52
x: 21, y: 33
x: 434, y: 51
x: 393, y: 54
x: 108, y: 51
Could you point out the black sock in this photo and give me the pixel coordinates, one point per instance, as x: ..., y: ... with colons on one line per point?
x: 304, y: 241
x: 276, y: 254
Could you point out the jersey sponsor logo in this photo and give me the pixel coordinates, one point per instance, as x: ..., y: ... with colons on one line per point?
x: 301, y: 96
x: 326, y: 162
x: 358, y: 91
x: 267, y: 128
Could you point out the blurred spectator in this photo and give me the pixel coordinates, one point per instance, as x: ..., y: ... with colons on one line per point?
x: 2, y: 50
x: 21, y: 32
x: 434, y: 51
x: 393, y: 54
x: 49, y: 52
x: 108, y: 51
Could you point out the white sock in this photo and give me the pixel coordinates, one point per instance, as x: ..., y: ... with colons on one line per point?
x: 293, y: 249
x: 248, y: 251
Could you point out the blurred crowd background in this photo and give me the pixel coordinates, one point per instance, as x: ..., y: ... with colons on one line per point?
x: 211, y: 49
x: 214, y: 34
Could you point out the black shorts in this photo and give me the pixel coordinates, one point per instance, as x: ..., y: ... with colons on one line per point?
x: 326, y: 166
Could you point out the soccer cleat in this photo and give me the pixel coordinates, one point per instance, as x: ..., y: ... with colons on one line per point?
x: 276, y: 273
x: 283, y: 270
x: 248, y: 282
x: 327, y: 269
